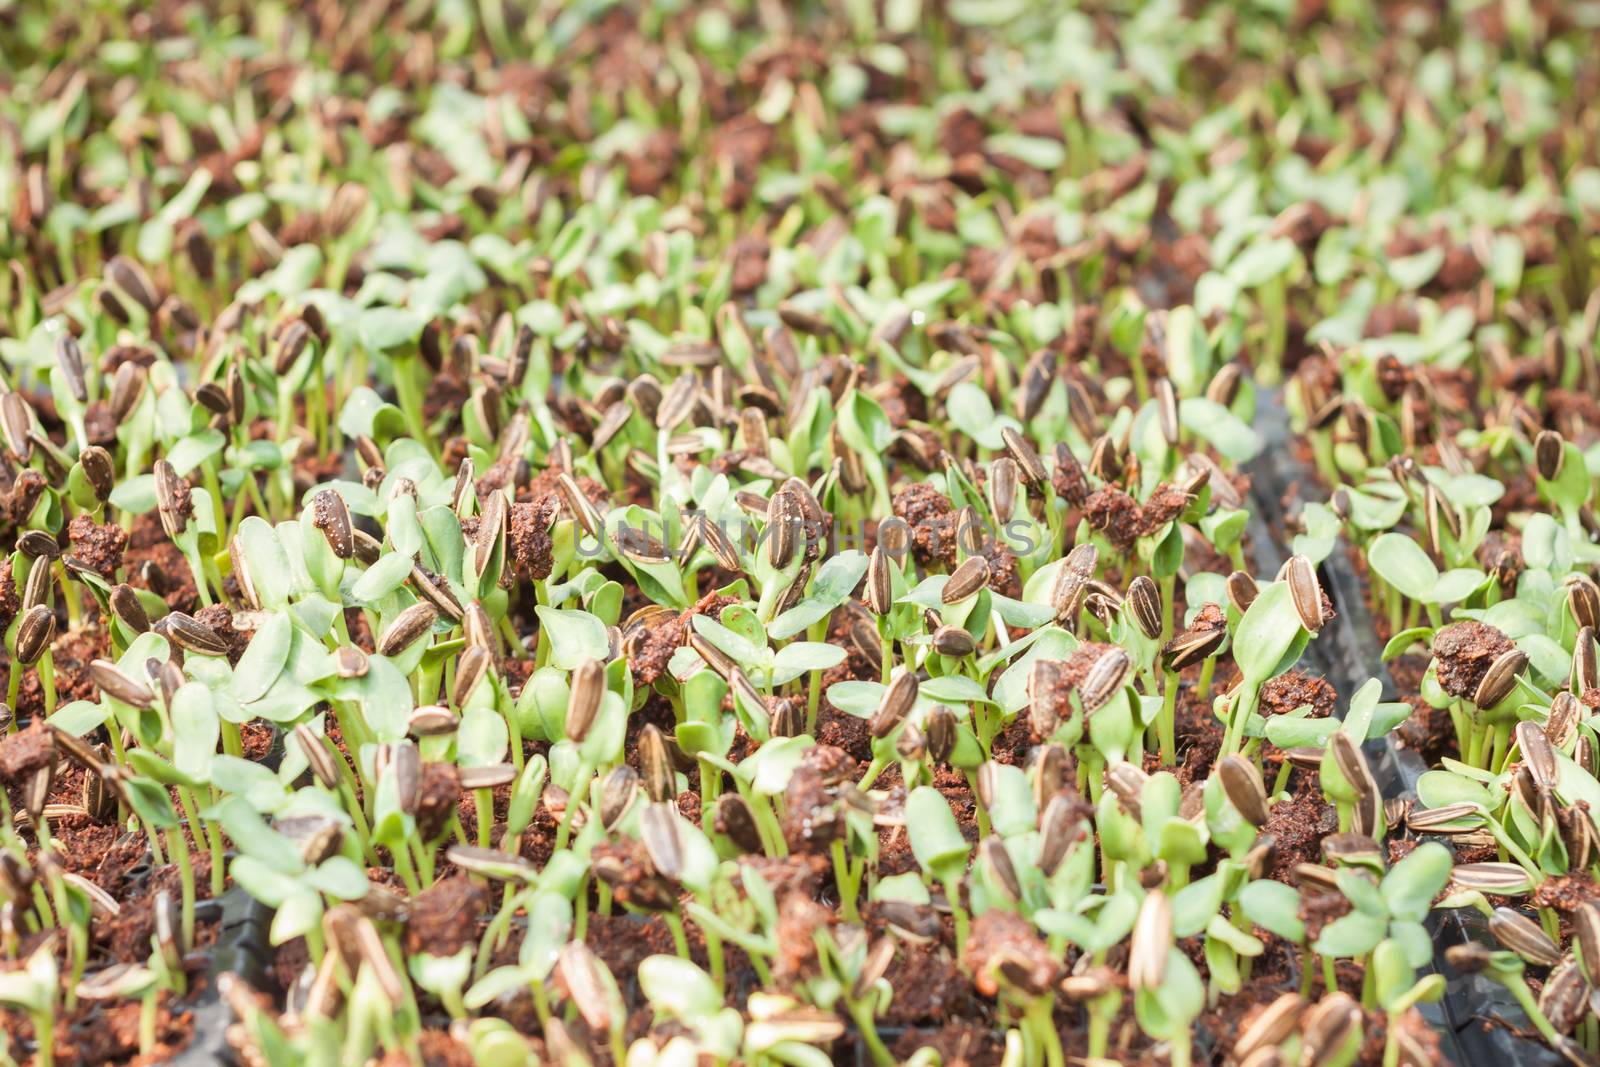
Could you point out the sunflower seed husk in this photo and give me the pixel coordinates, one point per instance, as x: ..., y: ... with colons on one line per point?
x: 1144, y: 599
x: 1524, y: 937
x: 410, y: 626
x: 658, y: 831
x: 895, y: 704
x: 879, y: 587
x: 69, y: 359
x: 333, y: 519
x: 1586, y: 936
x: 1271, y: 1027
x: 127, y: 386
x: 130, y: 278
x: 99, y: 470
x: 1329, y: 1026
x: 1445, y: 819
x: 34, y: 634
x: 1306, y: 592
x: 1549, y: 452
x: 324, y: 766
x: 1565, y: 711
x: 471, y: 669
x: 1242, y: 783
x: 1505, y: 879
x: 655, y: 765
x: 173, y: 518
x: 588, y: 688
x: 1242, y: 591
x: 1537, y: 753
x: 965, y: 581
x: 1028, y: 464
x: 434, y: 593
x: 1192, y: 647
x: 1501, y: 678
x: 579, y: 505
x: 115, y: 683
x: 401, y: 761
x: 37, y: 588
x: 1060, y: 827
x: 953, y: 641
x: 1150, y: 943
x: 1586, y: 661
x: 735, y: 819
x: 1128, y: 782
x: 1105, y: 679
x: 1583, y: 600
x: 1001, y: 871
x: 1565, y: 996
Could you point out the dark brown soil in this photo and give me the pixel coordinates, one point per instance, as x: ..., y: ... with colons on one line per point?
x: 1464, y: 651
x: 999, y: 935
x: 1116, y: 515
x: 438, y: 795
x: 932, y: 519
x: 25, y: 753
x: 1298, y: 823
x: 99, y: 546
x: 443, y: 918
x: 1296, y: 689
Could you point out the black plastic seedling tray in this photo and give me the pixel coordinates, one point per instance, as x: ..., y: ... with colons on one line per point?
x: 1348, y: 654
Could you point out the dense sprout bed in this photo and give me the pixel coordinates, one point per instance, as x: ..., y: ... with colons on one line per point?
x: 980, y: 532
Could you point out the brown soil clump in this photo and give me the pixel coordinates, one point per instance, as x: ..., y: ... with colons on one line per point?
x: 1464, y: 652
x: 1297, y: 689
x: 97, y: 545
x: 932, y: 519
x: 444, y: 917
x: 1298, y: 824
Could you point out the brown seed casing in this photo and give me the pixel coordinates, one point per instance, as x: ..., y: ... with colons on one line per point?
x: 735, y: 819
x: 332, y: 517
x: 1242, y: 591
x: 783, y: 531
x: 119, y: 685
x: 1271, y: 1027
x: 127, y: 386
x: 1523, y: 936
x: 895, y: 704
x: 1244, y: 788
x: 471, y: 669
x: 98, y: 470
x: 1305, y: 591
x: 1151, y: 941
x: 1030, y: 468
x: 1144, y: 600
x: 1586, y: 661
x: 879, y: 587
x: 410, y: 626
x: 1583, y: 599
x: 1549, y: 452
x: 1491, y: 877
x: 434, y: 593
x: 588, y: 687
x: 965, y: 581
x: 655, y: 764
x: 168, y: 502
x: 1501, y: 678
x: 34, y: 634
x: 324, y: 766
x: 953, y: 641
x: 1105, y: 679
x: 493, y: 522
x: 69, y: 360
